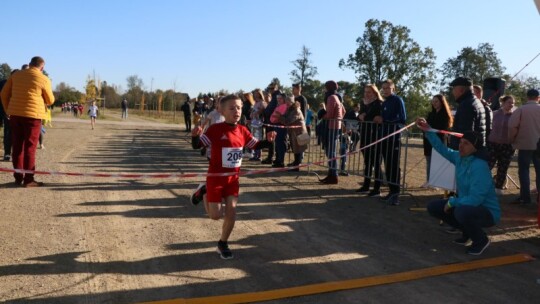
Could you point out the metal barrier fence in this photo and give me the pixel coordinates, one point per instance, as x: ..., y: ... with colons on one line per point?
x: 384, y: 162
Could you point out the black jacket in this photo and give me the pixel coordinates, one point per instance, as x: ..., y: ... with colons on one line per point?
x: 439, y: 121
x: 367, y: 130
x: 186, y: 109
x: 470, y: 116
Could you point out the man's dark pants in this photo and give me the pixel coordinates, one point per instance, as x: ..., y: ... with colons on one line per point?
x: 7, y: 136
x: 25, y: 136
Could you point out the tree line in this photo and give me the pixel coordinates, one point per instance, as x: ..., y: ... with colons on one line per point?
x: 384, y: 51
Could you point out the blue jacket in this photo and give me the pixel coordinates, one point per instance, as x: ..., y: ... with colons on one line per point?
x: 393, y: 114
x: 393, y: 110
x: 473, y: 177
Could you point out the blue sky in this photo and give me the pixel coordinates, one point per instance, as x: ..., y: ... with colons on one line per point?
x: 205, y: 46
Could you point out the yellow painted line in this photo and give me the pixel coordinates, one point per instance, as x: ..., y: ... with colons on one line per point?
x: 353, y: 284
x: 417, y: 209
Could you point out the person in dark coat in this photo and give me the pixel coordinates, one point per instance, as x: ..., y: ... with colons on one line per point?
x: 371, y: 108
x: 186, y: 108
x: 470, y: 114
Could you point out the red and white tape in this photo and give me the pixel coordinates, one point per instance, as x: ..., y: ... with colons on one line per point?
x: 456, y: 134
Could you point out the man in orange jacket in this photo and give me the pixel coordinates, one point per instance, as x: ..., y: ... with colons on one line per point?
x: 24, y: 97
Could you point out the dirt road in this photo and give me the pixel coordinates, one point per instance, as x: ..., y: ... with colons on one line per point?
x: 110, y: 240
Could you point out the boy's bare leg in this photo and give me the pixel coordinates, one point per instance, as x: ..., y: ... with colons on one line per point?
x: 227, y: 212
x: 214, y: 210
x: 229, y: 218
x: 206, y: 205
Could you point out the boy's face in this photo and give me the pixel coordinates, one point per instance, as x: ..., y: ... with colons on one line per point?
x: 231, y: 110
x: 387, y: 90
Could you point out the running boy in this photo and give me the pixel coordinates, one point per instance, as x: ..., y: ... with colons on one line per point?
x: 93, y: 112
x: 227, y: 140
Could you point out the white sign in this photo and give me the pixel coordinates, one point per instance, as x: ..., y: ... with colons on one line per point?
x: 442, y: 173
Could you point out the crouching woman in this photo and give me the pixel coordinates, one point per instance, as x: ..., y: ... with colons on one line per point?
x: 476, y: 205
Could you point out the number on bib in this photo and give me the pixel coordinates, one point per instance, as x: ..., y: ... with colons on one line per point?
x: 231, y: 157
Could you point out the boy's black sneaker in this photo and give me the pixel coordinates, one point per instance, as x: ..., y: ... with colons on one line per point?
x: 224, y: 251
x: 197, y: 196
x: 478, y: 247
x: 266, y: 161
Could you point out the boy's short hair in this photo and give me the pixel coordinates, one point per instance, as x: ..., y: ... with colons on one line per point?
x: 390, y: 82
x: 229, y: 97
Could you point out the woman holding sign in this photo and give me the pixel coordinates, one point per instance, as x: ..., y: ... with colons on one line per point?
x: 476, y: 205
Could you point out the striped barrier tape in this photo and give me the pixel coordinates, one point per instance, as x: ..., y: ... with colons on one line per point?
x: 456, y: 134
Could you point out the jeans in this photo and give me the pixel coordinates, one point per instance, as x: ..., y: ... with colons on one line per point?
x: 390, y: 150
x: 469, y: 219
x: 124, y: 113
x: 524, y: 162
x: 332, y: 136
x: 343, y: 155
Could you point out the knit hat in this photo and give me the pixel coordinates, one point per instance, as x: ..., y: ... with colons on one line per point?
x: 461, y: 81
x: 331, y: 85
x: 474, y: 138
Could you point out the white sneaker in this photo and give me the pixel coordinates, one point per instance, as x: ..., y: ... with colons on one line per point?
x: 499, y: 192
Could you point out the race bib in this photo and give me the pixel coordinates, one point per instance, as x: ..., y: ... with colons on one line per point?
x: 231, y: 157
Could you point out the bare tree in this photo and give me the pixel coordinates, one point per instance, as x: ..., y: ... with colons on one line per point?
x: 304, y: 68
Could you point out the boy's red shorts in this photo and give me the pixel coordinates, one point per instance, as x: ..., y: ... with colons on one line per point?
x: 219, y: 187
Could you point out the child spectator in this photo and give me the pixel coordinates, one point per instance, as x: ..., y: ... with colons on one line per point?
x: 257, y: 121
